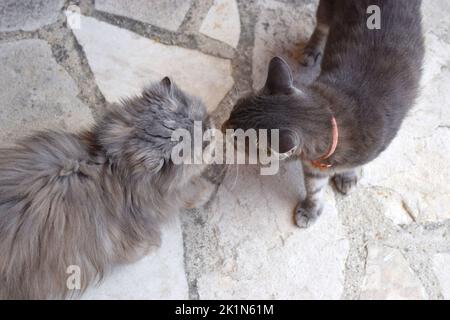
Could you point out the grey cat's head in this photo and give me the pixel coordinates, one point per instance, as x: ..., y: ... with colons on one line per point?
x: 137, y: 135
x: 296, y: 112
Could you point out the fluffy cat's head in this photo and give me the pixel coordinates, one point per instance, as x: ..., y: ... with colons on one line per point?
x: 137, y: 135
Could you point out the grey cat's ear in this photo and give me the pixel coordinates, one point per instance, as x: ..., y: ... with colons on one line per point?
x: 279, y: 78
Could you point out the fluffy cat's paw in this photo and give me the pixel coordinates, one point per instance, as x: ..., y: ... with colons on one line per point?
x: 345, y: 182
x: 305, y: 217
x: 311, y: 57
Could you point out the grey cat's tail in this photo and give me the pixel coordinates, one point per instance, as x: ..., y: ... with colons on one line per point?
x: 48, y: 225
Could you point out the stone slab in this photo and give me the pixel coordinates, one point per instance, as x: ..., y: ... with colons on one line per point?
x: 441, y: 263
x: 28, y: 15
x: 249, y: 248
x: 38, y: 93
x: 167, y: 14
x: 124, y: 63
x: 389, y: 277
x: 222, y: 22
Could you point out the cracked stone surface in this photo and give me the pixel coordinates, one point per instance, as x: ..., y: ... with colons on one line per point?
x: 168, y: 14
x: 389, y: 239
x: 40, y: 93
x: 222, y: 22
x: 28, y: 15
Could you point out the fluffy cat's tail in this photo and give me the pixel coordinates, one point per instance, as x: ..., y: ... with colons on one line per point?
x: 48, y: 226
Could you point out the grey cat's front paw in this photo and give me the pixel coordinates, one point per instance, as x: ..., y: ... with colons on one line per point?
x: 305, y: 217
x: 345, y: 182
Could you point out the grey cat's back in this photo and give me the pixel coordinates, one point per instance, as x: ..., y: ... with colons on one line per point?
x: 375, y: 62
x: 379, y: 69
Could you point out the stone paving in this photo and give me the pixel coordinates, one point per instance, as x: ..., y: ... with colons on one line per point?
x: 62, y: 62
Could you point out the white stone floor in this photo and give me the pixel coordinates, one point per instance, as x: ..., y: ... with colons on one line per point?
x: 61, y: 62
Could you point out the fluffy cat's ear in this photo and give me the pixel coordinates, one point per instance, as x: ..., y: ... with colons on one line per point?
x: 167, y: 83
x: 279, y: 78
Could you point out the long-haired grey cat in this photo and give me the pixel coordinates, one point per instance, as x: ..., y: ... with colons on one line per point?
x: 94, y: 199
x: 350, y: 114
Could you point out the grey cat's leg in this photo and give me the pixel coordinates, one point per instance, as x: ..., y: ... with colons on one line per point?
x: 310, y: 209
x: 345, y: 181
x: 313, y: 52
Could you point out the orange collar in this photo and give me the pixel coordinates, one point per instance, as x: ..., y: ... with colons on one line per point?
x: 318, y: 163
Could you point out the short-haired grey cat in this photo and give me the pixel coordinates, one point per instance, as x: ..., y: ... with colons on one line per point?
x: 353, y: 110
x: 94, y: 199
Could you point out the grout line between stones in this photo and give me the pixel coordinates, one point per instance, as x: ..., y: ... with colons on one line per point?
x: 189, y: 40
